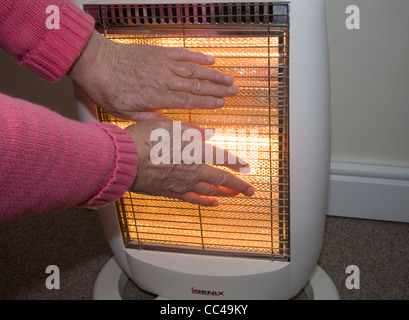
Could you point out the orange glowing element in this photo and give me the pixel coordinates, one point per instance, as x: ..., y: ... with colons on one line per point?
x: 254, y: 126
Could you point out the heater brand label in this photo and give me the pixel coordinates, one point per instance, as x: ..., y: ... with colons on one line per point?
x: 207, y: 292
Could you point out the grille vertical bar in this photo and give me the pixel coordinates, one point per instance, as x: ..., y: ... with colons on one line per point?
x: 249, y: 41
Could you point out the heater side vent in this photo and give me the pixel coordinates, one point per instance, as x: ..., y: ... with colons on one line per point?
x: 189, y: 14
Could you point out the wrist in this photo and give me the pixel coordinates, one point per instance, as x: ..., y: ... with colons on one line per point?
x: 89, y: 59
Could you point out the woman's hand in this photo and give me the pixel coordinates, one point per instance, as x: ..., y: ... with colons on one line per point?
x: 130, y: 81
x: 197, y: 182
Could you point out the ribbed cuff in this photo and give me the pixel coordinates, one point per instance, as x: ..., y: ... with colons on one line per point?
x: 125, y: 168
x: 53, y: 57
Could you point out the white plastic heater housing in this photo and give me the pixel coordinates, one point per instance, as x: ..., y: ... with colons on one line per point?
x: 177, y: 275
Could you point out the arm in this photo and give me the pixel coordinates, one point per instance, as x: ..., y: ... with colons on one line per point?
x: 61, y: 162
x: 161, y: 78
x: 49, y: 162
x: 49, y: 53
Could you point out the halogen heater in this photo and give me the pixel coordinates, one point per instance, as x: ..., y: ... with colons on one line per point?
x: 260, y: 247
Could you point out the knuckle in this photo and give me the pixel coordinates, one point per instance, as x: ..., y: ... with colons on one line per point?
x: 180, y: 52
x: 172, y: 53
x: 188, y: 101
x: 196, y: 86
x: 207, y: 189
x: 190, y: 71
x: 221, y: 178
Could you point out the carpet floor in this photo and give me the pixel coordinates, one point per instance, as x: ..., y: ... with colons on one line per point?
x: 73, y: 240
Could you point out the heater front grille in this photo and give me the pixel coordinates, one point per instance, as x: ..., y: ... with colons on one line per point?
x: 254, y: 125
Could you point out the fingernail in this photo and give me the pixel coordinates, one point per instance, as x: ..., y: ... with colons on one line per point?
x: 234, y: 90
x: 221, y: 102
x: 250, y: 191
x: 211, y: 59
x: 229, y: 79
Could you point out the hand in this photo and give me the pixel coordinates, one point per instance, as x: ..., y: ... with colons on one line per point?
x: 130, y: 81
x: 197, y: 183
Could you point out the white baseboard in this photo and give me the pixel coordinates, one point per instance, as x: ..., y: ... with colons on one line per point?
x: 369, y: 191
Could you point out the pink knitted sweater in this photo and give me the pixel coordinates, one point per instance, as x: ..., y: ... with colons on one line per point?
x: 48, y: 162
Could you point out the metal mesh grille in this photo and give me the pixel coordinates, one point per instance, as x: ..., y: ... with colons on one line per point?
x: 253, y: 124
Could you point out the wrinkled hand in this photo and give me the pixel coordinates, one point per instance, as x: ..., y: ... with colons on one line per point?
x: 197, y: 183
x: 130, y: 81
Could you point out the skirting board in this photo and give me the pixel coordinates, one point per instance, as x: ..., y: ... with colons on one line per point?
x: 369, y: 191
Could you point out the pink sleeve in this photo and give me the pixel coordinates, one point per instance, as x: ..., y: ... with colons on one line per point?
x: 49, y: 52
x: 49, y: 162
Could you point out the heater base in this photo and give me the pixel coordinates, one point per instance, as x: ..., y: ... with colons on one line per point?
x: 111, y: 282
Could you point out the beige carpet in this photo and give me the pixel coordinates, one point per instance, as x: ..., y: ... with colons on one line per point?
x: 73, y: 241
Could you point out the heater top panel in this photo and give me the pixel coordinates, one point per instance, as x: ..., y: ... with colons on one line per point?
x: 250, y: 41
x: 203, y: 15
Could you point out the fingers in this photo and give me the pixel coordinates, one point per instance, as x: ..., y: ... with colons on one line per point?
x: 195, y: 86
x: 206, y: 189
x: 182, y: 54
x: 198, y: 199
x: 218, y: 156
x: 218, y: 177
x: 184, y: 100
x: 203, y: 88
x: 204, y: 194
x: 220, y: 184
x: 195, y: 71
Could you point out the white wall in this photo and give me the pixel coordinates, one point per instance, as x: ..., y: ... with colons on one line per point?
x: 369, y: 110
x: 370, y: 82
x: 369, y: 107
